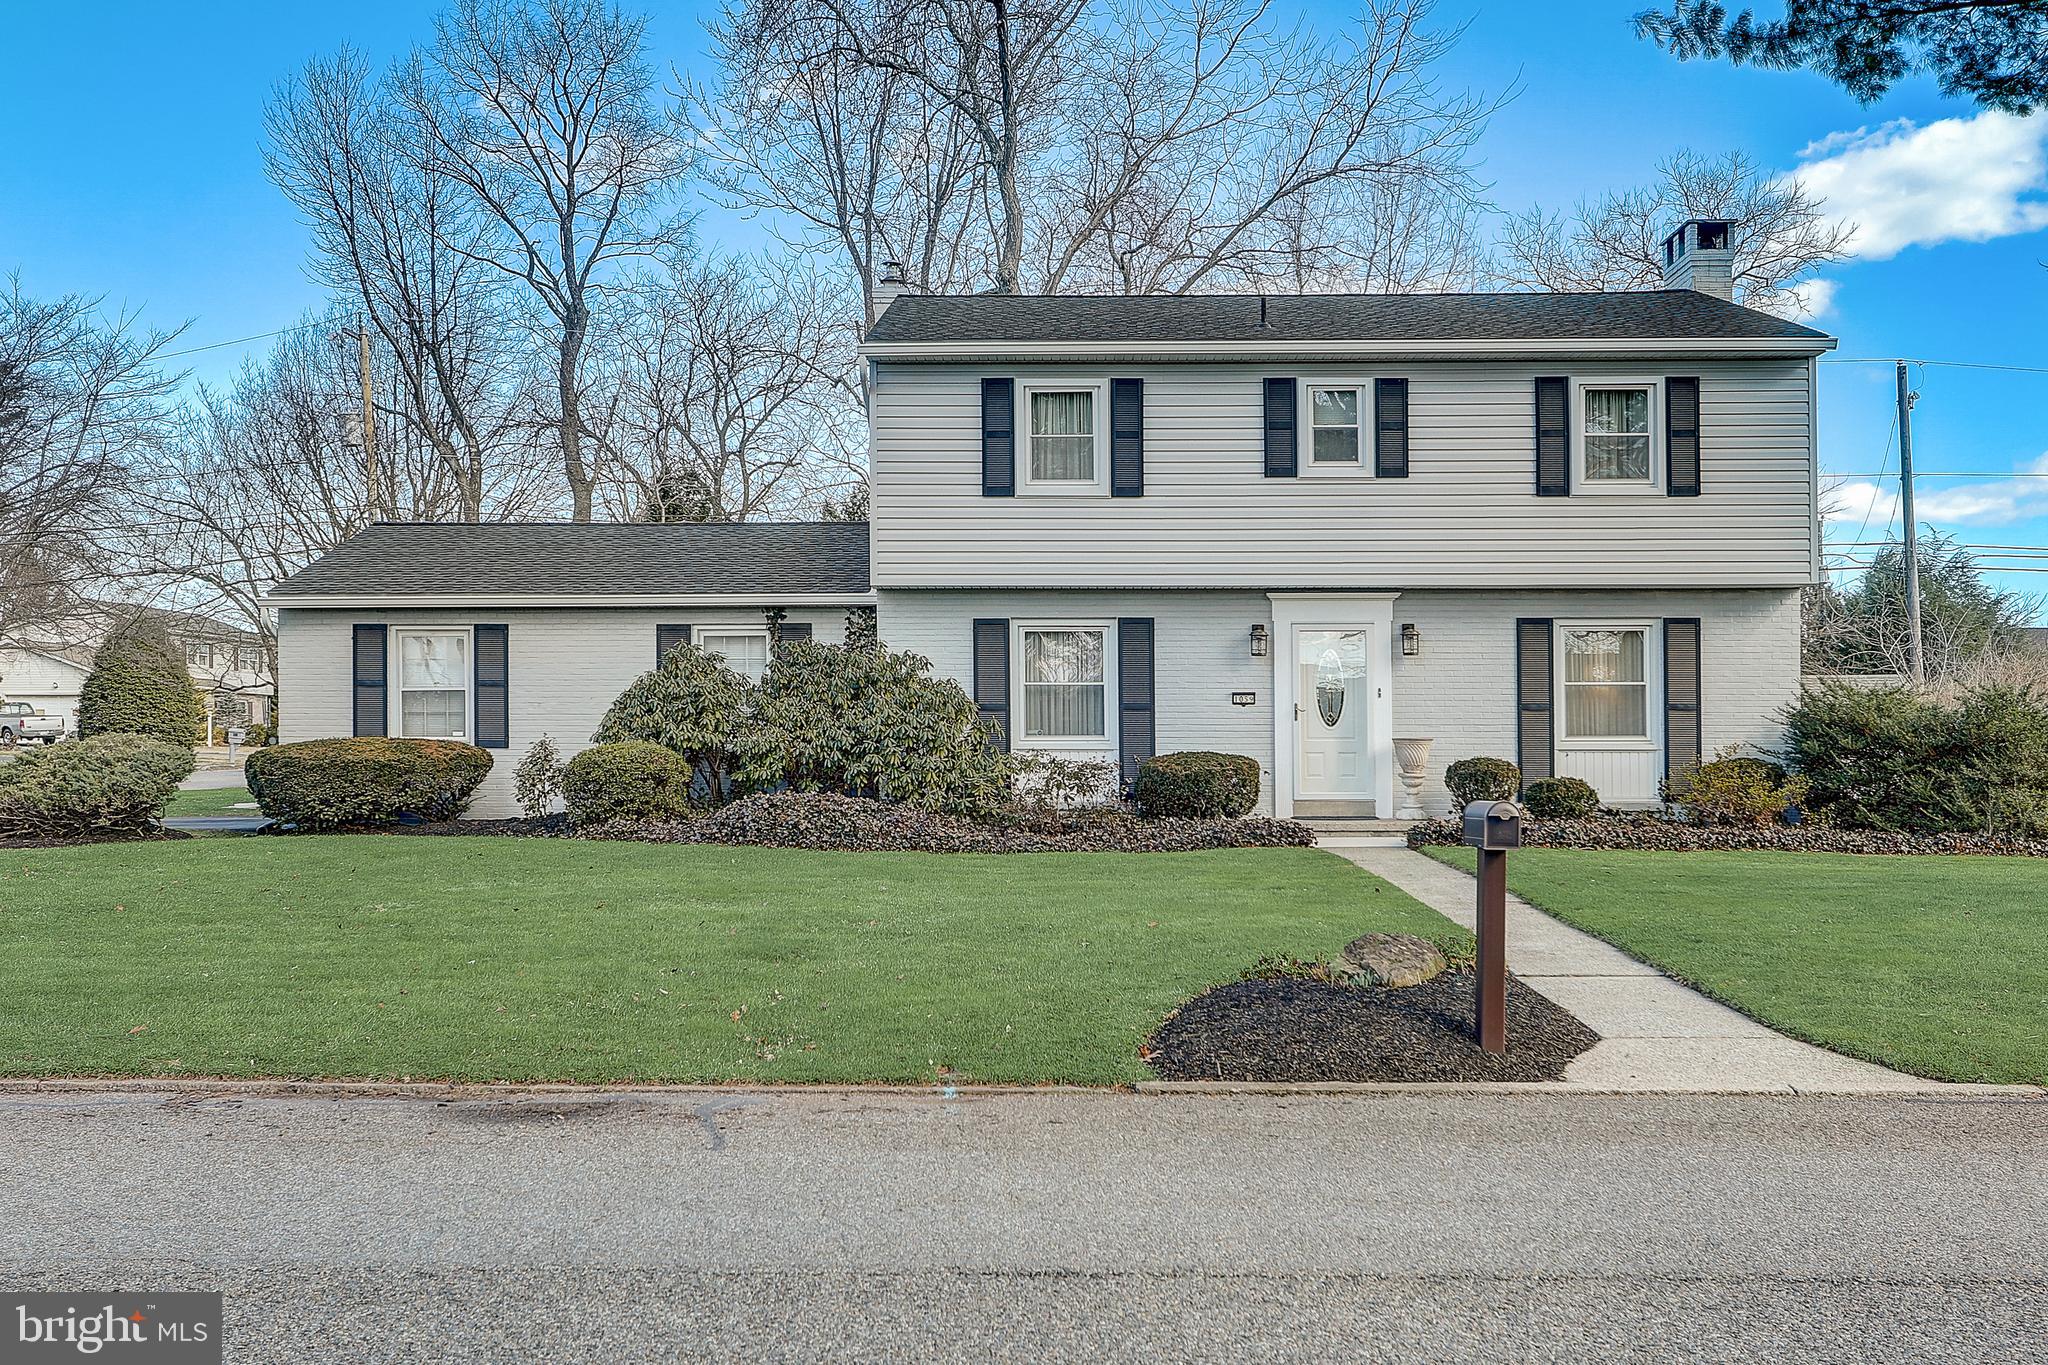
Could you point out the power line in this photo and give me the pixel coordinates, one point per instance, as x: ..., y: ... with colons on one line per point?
x: 238, y: 341
x: 1945, y: 364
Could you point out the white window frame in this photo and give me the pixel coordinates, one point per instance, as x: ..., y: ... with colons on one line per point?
x: 198, y: 654
x: 394, y: 664
x: 1108, y: 740
x: 1652, y: 684
x: 249, y: 658
x: 756, y: 632
x: 1305, y: 465
x: 1618, y: 487
x: 1021, y: 437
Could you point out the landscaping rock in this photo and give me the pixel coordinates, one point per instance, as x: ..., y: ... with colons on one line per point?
x: 1391, y: 960
x: 1663, y: 834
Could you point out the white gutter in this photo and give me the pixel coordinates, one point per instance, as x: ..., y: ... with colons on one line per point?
x: 396, y: 601
x: 994, y: 349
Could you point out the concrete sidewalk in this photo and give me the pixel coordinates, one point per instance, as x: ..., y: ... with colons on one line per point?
x: 1655, y: 1034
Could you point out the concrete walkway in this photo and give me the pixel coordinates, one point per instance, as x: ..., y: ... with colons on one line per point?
x: 1655, y: 1034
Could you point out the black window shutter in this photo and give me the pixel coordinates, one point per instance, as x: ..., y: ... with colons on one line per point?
x: 1127, y: 438
x: 1280, y: 441
x: 1535, y: 718
x: 667, y: 638
x: 1390, y: 402
x: 1135, y: 729
x: 368, y: 665
x: 1682, y: 437
x: 1553, y: 439
x: 992, y: 676
x: 492, y: 661
x: 792, y: 630
x: 998, y: 438
x: 1681, y: 693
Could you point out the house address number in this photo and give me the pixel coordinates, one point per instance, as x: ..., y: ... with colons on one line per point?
x: 1244, y: 699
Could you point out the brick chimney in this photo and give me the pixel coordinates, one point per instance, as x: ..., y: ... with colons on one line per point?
x: 1699, y: 256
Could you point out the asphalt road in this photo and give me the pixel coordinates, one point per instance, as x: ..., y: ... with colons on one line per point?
x: 1052, y: 1226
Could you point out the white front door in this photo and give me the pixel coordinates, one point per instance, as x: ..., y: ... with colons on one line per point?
x: 1331, y: 710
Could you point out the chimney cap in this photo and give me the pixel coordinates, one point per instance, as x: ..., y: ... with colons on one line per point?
x: 1697, y: 234
x: 892, y: 273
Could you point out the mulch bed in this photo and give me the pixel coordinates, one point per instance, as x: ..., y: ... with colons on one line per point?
x: 74, y: 841
x: 1296, y: 1028
x: 1660, y: 834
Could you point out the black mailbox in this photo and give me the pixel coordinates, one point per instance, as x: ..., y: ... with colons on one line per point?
x: 1493, y: 825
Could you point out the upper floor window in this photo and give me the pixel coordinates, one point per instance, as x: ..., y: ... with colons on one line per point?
x: 433, y: 684
x: 1335, y: 429
x: 745, y: 651
x: 1064, y: 679
x: 198, y: 654
x: 1617, y: 436
x: 1065, y: 439
x: 248, y: 658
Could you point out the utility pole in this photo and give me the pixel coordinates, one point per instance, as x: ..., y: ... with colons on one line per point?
x: 1915, y: 661
x: 370, y: 421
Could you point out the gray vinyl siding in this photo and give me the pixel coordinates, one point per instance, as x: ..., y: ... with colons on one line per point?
x: 1466, y: 516
x: 565, y: 669
x: 1460, y: 690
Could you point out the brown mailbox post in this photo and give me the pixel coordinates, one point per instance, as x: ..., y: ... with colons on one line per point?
x: 1493, y: 827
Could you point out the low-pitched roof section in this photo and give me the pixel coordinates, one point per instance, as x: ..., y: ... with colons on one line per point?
x: 522, y: 561
x: 914, y: 321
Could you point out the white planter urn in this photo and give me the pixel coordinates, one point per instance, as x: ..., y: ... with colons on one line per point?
x: 1413, y: 756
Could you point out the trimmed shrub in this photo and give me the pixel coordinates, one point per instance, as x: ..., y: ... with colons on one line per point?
x: 1734, y: 790
x: 139, y: 686
x: 1482, y: 779
x: 1197, y: 785
x: 1561, y: 798
x: 537, y: 781
x: 695, y: 706
x: 874, y: 722
x: 322, y: 783
x: 1893, y: 759
x: 109, y: 784
x: 633, y: 779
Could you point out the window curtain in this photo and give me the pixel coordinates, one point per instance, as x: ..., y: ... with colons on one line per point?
x: 1605, y: 695
x: 1063, y: 435
x: 1063, y: 684
x: 1617, y: 434
x: 433, y: 673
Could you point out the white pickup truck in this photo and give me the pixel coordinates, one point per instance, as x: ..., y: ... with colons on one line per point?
x: 19, y: 721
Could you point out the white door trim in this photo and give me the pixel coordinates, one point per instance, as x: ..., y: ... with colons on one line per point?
x: 1372, y: 612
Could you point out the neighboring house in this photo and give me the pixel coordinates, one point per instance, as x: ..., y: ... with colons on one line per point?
x: 500, y: 633
x: 47, y: 676
x: 1568, y: 530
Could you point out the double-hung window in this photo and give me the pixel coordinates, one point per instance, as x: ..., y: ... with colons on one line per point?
x: 1064, y: 678
x: 198, y: 654
x: 1336, y: 426
x: 1616, y: 436
x: 433, y: 683
x: 744, y: 650
x: 1063, y: 426
x: 1605, y: 678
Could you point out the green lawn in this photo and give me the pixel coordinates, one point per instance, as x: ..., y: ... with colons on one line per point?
x: 1937, y: 966
x: 526, y: 959
x: 215, y: 802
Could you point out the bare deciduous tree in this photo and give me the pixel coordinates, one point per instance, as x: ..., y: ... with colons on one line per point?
x: 543, y: 114
x: 1782, y: 234
x: 82, y: 399
x: 721, y: 405
x: 391, y: 234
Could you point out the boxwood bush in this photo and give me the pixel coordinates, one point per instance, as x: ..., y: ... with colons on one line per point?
x: 1561, y: 798
x: 109, y: 784
x: 323, y: 783
x: 633, y: 779
x: 1482, y: 779
x: 1734, y: 789
x: 1197, y: 785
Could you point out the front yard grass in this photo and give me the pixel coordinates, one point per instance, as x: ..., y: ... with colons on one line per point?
x: 1937, y: 966
x: 481, y: 958
x: 210, y: 801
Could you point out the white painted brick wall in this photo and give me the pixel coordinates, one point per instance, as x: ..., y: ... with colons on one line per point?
x: 565, y: 669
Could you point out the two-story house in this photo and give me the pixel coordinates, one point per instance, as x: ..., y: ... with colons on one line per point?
x: 1569, y: 530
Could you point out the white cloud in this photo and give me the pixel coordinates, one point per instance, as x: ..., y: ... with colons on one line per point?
x: 1958, y: 179
x: 1994, y: 502
x: 1815, y: 297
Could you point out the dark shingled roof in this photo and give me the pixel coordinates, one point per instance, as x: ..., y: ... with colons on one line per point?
x: 745, y: 559
x: 1654, y: 314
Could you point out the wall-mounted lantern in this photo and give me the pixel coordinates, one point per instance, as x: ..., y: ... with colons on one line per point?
x: 1260, y: 644
x: 1411, y: 640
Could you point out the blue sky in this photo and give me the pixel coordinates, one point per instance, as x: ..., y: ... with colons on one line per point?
x: 133, y: 168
